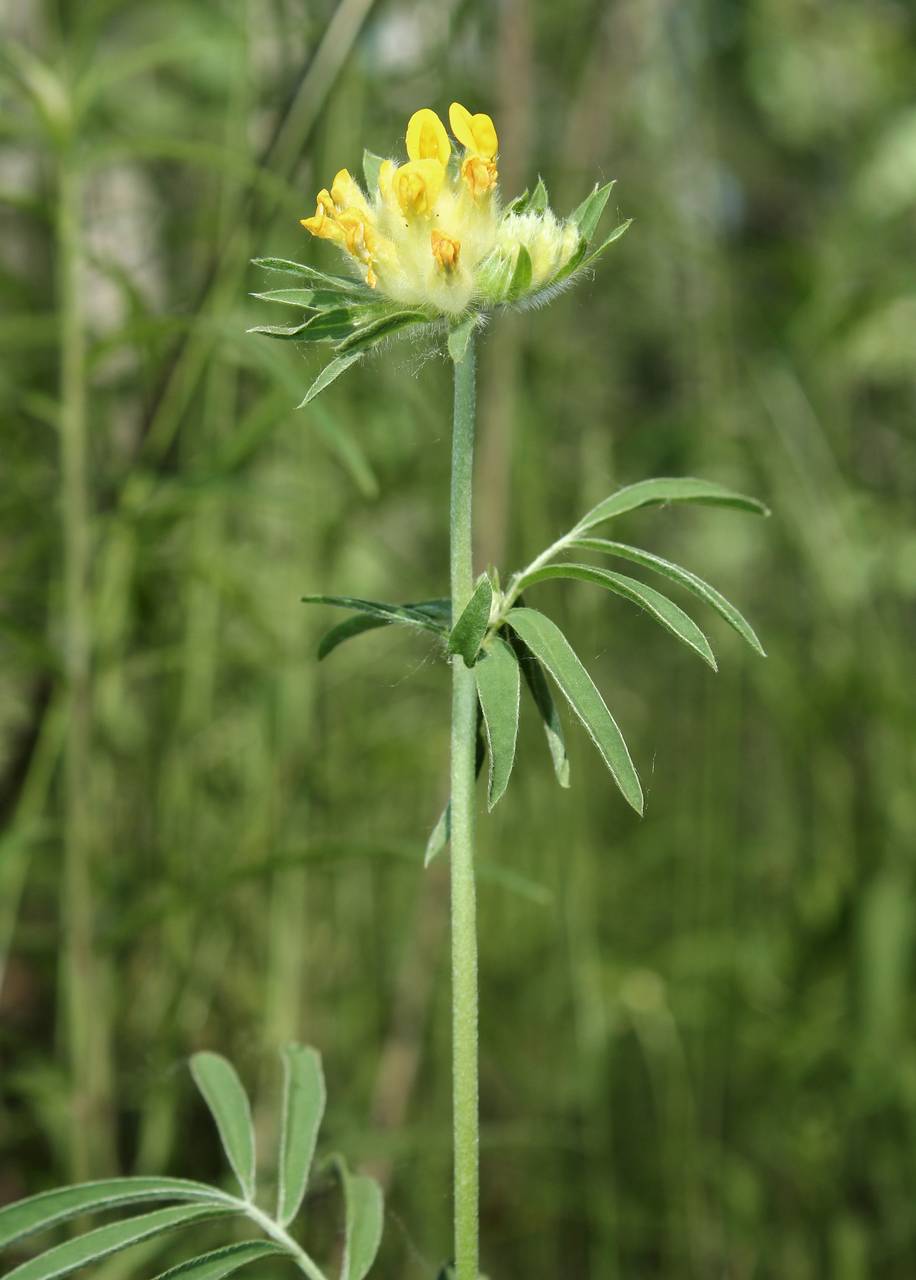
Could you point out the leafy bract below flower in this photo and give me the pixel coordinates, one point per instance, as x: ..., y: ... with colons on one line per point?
x: 432, y: 245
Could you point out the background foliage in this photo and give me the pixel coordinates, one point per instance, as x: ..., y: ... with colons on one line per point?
x: 698, y: 1040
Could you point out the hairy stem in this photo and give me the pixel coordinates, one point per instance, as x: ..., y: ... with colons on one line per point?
x: 282, y: 1238
x: 464, y: 906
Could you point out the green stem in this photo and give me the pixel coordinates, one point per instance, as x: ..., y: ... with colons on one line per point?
x: 464, y: 905
x: 282, y: 1238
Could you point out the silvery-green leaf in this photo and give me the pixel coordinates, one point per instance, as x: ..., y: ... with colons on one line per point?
x: 498, y: 688
x: 337, y: 283
x: 468, y: 632
x: 329, y: 374
x: 671, y: 616
x: 368, y: 335
x: 224, y: 1094
x: 521, y: 275
x: 306, y: 299
x: 79, y: 1252
x: 364, y: 1215
x: 460, y: 336
x: 222, y: 1262
x: 539, y: 689
x: 684, y: 577
x: 438, y: 610
x: 412, y: 615
x: 324, y: 326
x: 588, y: 214
x: 371, y: 166
x: 304, y: 1098
x: 668, y: 489
x: 38, y: 1213
x: 547, y: 642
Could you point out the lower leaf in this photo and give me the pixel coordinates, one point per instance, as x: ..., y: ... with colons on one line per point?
x: 104, y: 1241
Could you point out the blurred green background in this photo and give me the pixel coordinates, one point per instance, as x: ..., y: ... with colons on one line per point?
x: 698, y: 1031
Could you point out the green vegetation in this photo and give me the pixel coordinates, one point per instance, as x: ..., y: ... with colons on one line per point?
x: 698, y: 1047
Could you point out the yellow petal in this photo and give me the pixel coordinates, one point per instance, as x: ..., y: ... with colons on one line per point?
x: 386, y: 181
x: 426, y: 137
x: 445, y: 249
x: 323, y: 227
x: 346, y: 193
x: 417, y: 184
x: 476, y: 133
x: 479, y: 175
x: 460, y: 119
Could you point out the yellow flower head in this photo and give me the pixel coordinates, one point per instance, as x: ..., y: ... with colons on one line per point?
x: 432, y: 235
